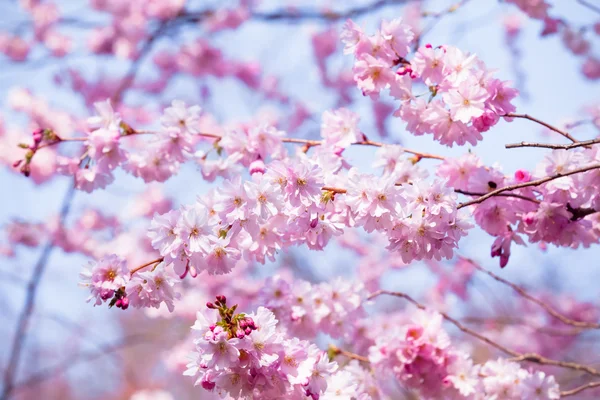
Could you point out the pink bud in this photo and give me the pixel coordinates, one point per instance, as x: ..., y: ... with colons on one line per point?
x: 105, y: 295
x: 38, y: 135
x: 124, y: 303
x: 428, y: 45
x: 119, y: 303
x: 208, y: 385
x: 211, y: 305
x: 240, y: 334
x: 222, y: 299
x: 17, y: 163
x: 257, y: 167
x: 529, y: 218
x: 522, y: 176
x: 314, y: 223
x: 250, y: 323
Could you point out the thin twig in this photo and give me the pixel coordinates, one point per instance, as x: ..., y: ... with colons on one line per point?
x: 336, y: 350
x: 553, y: 146
x: 527, y: 296
x: 531, y: 357
x: 589, y: 5
x: 528, y: 184
x: 136, y: 269
x: 449, y: 319
x: 547, y: 125
x: 25, y: 316
x: 566, y: 393
x: 518, y: 196
x: 302, y: 15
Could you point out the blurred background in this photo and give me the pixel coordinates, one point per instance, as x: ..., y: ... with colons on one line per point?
x: 61, y: 57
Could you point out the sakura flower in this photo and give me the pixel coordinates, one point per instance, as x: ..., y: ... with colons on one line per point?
x: 466, y: 101
x: 339, y: 128
x: 151, y: 288
x: 372, y: 75
x: 104, y: 277
x: 107, y: 118
x: 182, y: 117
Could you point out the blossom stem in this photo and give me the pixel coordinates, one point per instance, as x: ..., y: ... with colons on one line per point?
x: 336, y: 350
x: 136, y: 269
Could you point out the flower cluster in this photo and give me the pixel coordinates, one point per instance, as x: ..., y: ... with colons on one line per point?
x: 248, y: 355
x: 290, y: 204
x: 561, y: 211
x: 464, y: 97
x: 110, y: 279
x: 306, y: 309
x: 420, y: 356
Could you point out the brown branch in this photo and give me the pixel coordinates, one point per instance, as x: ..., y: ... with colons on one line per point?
x: 25, y: 316
x: 527, y: 296
x: 528, y: 184
x: 531, y: 357
x: 136, y: 269
x: 553, y: 146
x: 307, y: 142
x: 518, y: 196
x: 566, y: 393
x: 336, y: 351
x: 301, y: 15
x: 547, y: 125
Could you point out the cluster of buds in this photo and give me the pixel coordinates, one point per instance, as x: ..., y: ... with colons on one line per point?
x: 120, y: 299
x: 46, y: 136
x: 236, y: 325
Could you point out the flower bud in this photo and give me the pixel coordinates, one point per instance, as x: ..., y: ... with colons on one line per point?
x: 105, y: 295
x: 240, y: 334
x: 211, y: 305
x: 124, y: 303
x: 221, y: 299
x: 207, y: 385
x: 250, y: 323
x: 257, y: 167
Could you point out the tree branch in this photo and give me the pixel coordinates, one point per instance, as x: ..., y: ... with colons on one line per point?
x: 553, y: 146
x: 531, y: 357
x: 527, y: 296
x: 528, y: 184
x: 572, y: 392
x: 25, y: 316
x: 299, y: 15
x: 547, y: 125
x: 518, y: 196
